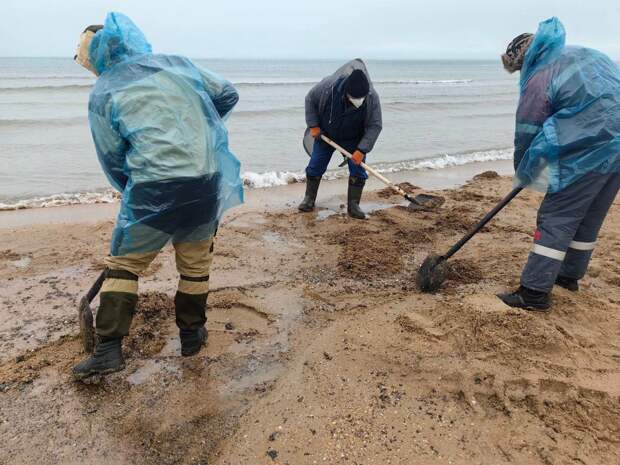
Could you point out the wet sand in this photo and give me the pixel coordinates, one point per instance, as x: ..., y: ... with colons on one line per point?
x: 321, y: 350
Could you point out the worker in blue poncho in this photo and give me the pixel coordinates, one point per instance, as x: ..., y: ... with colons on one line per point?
x: 567, y: 144
x: 157, y: 122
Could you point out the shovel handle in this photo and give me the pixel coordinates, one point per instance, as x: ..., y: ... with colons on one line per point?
x: 96, y: 287
x: 488, y: 217
x: 371, y: 170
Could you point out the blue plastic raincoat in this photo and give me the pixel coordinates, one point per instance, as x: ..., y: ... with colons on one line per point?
x: 568, y: 120
x: 158, y: 126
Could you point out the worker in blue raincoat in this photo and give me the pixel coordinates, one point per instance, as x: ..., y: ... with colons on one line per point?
x: 567, y: 144
x: 157, y: 122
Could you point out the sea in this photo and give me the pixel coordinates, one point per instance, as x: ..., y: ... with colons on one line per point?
x: 436, y: 114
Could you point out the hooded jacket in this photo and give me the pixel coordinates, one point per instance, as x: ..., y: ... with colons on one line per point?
x: 568, y: 119
x: 157, y: 122
x: 320, y: 101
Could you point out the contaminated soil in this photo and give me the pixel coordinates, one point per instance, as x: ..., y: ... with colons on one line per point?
x: 321, y: 350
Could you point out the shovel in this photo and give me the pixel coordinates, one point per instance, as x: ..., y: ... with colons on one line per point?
x: 85, y: 315
x: 432, y: 272
x: 419, y: 202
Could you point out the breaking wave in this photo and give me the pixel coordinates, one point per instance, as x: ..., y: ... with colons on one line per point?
x: 45, y: 87
x: 56, y: 200
x: 273, y: 178
x: 86, y: 84
x: 268, y: 179
x: 35, y: 122
x: 308, y: 82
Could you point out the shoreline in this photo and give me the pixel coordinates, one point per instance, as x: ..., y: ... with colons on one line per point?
x: 321, y: 349
x: 268, y: 198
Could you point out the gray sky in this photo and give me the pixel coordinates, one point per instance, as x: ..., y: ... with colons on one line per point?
x: 390, y: 29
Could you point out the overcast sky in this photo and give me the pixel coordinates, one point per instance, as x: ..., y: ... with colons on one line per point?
x: 390, y: 29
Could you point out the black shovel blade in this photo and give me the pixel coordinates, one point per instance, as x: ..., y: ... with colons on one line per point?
x: 87, y: 327
x: 425, y: 202
x: 431, y: 274
x: 308, y: 142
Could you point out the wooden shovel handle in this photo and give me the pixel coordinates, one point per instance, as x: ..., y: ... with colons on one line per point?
x: 371, y: 170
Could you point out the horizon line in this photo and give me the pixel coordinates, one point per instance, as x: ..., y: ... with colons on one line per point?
x: 278, y: 58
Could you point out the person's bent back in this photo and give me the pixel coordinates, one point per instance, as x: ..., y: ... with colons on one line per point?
x: 158, y: 126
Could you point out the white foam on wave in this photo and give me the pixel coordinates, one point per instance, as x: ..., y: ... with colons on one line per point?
x: 446, y: 161
x: 56, y: 200
x: 268, y: 179
x: 305, y: 82
x: 271, y: 179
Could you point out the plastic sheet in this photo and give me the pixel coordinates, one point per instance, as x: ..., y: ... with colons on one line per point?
x: 568, y: 121
x: 158, y: 126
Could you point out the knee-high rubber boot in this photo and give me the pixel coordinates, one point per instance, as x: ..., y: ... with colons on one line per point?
x: 118, y: 301
x: 312, y: 187
x: 190, y: 304
x: 354, y: 195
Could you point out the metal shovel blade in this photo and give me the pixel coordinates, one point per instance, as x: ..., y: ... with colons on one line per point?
x: 87, y: 327
x: 432, y: 273
x: 425, y: 202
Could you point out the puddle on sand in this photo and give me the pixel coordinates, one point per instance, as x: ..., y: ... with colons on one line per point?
x: 272, y: 237
x: 367, y: 207
x: 265, y: 362
x: 247, y: 220
x: 22, y: 263
x: 150, y: 368
x: 325, y: 213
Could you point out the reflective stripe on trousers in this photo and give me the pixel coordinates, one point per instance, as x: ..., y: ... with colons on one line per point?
x: 568, y: 224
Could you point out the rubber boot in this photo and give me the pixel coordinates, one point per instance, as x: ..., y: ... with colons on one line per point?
x: 107, y: 358
x: 312, y: 187
x: 354, y: 195
x: 527, y: 299
x: 567, y: 283
x: 113, y: 321
x: 192, y: 340
x: 191, y: 318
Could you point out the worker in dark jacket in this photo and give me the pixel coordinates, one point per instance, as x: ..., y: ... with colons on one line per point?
x: 567, y: 144
x: 346, y: 108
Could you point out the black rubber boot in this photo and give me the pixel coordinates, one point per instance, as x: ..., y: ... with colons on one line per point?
x: 354, y: 195
x: 191, y: 317
x: 107, y: 358
x: 527, y: 299
x: 312, y: 187
x: 567, y: 283
x: 192, y: 340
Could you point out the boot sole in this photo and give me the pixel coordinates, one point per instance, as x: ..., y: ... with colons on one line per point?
x: 194, y: 352
x: 92, y: 374
x: 529, y: 308
x: 568, y: 288
x: 536, y: 309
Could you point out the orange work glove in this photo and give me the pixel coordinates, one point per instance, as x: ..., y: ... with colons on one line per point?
x: 315, y: 132
x: 358, y: 157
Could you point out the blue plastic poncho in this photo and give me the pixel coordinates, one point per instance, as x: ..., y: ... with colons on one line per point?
x: 158, y: 126
x: 568, y: 120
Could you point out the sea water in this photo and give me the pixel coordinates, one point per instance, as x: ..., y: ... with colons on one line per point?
x: 435, y: 114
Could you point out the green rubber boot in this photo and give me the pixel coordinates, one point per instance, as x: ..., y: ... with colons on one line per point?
x: 107, y: 358
x: 354, y: 196
x: 312, y: 188
x: 191, y: 317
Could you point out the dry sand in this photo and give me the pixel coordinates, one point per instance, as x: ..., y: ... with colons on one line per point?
x: 321, y: 350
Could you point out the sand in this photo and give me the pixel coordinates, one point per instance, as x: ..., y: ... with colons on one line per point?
x: 321, y: 350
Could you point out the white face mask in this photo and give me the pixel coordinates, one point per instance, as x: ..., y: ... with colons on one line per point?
x: 356, y: 102
x: 81, y: 54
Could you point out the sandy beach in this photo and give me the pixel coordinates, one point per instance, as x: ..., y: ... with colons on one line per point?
x: 321, y: 350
